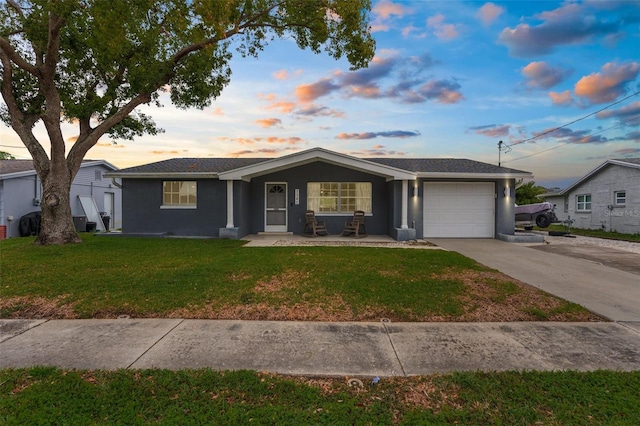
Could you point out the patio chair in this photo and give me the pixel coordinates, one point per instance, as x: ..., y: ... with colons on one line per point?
x: 313, y: 227
x: 355, y: 227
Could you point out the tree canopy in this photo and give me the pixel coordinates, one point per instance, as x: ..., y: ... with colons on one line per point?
x: 528, y: 193
x: 92, y: 62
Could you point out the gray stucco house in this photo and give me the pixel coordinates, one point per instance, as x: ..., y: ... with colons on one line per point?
x: 404, y: 198
x: 608, y: 197
x: 21, y: 192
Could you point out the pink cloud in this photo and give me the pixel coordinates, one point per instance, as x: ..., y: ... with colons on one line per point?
x: 313, y: 91
x: 280, y: 75
x: 488, y: 13
x: 608, y: 84
x: 442, y: 30
x: 562, y: 98
x: 268, y: 122
x: 541, y: 75
x: 386, y: 9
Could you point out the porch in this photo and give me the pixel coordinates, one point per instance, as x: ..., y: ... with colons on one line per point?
x: 270, y: 239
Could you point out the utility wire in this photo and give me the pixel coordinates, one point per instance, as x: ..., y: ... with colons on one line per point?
x: 563, y: 144
x: 574, y: 121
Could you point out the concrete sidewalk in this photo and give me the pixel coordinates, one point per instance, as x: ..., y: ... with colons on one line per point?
x: 319, y: 348
x: 605, y: 290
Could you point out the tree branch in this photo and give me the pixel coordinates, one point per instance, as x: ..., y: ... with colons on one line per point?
x: 16, y: 58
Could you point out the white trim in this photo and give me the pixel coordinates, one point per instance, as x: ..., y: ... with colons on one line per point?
x: 177, y: 207
x: 277, y: 228
x: 230, y: 204
x: 294, y: 160
x: 476, y: 176
x: 405, y: 205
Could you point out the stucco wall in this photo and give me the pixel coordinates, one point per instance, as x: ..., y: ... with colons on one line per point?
x: 602, y: 187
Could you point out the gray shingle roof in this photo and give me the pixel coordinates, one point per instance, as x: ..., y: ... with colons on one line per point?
x: 219, y: 165
x: 193, y: 165
x: 443, y: 165
x: 15, y: 166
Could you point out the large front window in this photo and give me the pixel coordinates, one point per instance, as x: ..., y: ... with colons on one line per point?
x: 339, y: 197
x: 583, y: 203
x: 179, y: 194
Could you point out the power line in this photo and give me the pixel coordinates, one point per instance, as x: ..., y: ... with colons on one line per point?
x: 573, y: 122
x: 562, y: 144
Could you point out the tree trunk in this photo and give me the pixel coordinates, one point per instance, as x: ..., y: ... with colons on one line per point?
x: 57, y: 222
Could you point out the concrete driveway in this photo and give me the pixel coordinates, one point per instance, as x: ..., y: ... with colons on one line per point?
x: 599, y: 286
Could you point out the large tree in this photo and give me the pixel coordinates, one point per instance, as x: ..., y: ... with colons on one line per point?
x: 92, y: 62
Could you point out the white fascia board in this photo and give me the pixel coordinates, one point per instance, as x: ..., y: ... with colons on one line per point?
x: 105, y: 163
x: 293, y: 160
x: 474, y: 176
x: 17, y: 174
x: 185, y: 175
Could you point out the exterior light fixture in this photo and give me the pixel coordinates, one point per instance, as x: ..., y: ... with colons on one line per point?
x: 507, y: 193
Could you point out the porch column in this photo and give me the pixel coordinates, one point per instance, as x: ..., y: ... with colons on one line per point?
x: 230, y: 204
x: 405, y: 205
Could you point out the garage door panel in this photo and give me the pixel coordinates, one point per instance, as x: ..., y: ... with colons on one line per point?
x: 459, y: 210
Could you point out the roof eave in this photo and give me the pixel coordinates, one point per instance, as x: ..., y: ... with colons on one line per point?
x: 163, y: 175
x: 458, y: 175
x: 316, y: 154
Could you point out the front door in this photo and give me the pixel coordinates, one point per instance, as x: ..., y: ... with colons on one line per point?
x: 276, y: 210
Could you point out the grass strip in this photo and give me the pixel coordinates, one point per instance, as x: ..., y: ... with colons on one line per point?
x: 49, y: 396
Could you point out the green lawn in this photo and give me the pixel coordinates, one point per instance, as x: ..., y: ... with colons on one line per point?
x: 598, y: 233
x: 191, y: 278
x: 48, y: 396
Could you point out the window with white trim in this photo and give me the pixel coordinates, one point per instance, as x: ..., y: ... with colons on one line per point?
x: 339, y: 197
x: 583, y: 203
x: 179, y: 194
x: 620, y: 198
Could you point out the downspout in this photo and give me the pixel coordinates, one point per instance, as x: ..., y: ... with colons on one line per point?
x: 116, y: 184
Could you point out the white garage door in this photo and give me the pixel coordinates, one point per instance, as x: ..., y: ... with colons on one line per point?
x: 459, y: 210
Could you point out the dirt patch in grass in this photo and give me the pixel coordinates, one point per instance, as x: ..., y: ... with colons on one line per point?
x: 36, y: 308
x: 489, y: 296
x: 493, y: 297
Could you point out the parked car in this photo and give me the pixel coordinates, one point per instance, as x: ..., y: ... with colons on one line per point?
x: 542, y: 214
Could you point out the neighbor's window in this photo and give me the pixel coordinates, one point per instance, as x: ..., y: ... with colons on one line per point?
x: 583, y: 203
x: 566, y: 204
x: 339, y: 197
x: 620, y: 198
x: 178, y: 194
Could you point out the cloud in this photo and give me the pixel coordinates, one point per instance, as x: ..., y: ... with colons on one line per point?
x: 565, y: 135
x: 541, y: 75
x: 368, y: 83
x: 268, y: 122
x: 608, y: 84
x: 318, y: 111
x: 280, y: 75
x: 372, y: 135
x: 261, y: 151
x: 488, y: 13
x: 283, y: 107
x: 628, y: 152
x: 628, y: 115
x: 492, y: 130
x: 633, y: 136
x: 376, y: 151
x: 570, y: 24
x: 313, y: 91
x: 386, y: 9
x: 443, y: 91
x: 442, y: 30
x: 269, y: 140
x: 562, y: 98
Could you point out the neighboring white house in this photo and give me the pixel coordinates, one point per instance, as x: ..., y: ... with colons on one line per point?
x: 21, y: 192
x: 608, y: 197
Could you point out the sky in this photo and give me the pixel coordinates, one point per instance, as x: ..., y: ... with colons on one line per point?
x: 557, y: 82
